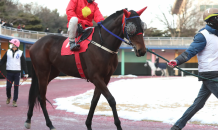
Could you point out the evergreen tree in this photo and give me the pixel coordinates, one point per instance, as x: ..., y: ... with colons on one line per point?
x: 10, y: 12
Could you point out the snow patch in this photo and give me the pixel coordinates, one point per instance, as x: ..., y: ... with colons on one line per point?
x: 158, y: 99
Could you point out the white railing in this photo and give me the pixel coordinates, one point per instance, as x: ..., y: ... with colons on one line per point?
x: 182, y: 73
x: 27, y: 34
x: 168, y: 41
x: 149, y: 41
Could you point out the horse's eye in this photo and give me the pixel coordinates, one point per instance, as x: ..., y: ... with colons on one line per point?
x: 131, y: 28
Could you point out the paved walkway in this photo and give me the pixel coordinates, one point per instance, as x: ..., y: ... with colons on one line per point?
x: 13, y: 118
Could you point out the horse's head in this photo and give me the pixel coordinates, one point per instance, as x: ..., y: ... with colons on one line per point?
x: 133, y: 29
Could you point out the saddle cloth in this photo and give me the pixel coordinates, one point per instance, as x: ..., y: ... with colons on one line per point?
x: 65, y: 50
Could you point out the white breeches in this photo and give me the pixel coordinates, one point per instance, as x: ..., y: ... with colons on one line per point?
x: 73, y: 25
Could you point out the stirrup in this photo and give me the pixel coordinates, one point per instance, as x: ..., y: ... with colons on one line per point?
x: 74, y: 46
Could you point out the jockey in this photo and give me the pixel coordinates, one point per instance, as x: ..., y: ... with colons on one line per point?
x: 156, y: 62
x: 80, y: 14
x: 205, y: 46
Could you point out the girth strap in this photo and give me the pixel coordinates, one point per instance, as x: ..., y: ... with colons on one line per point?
x: 79, y: 65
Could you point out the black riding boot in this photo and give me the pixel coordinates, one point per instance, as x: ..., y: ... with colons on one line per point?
x: 175, y: 128
x: 74, y: 46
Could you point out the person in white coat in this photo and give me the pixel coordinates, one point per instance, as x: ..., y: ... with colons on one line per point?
x: 14, y: 60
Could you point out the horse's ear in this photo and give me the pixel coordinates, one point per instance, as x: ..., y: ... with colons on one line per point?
x: 141, y: 11
x: 126, y: 13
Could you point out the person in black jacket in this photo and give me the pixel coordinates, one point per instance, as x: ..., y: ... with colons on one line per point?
x: 47, y: 30
x: 14, y: 60
x: 156, y: 62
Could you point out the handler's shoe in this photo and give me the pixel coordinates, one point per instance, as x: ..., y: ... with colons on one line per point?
x: 175, y: 128
x: 8, y: 100
x: 14, y: 104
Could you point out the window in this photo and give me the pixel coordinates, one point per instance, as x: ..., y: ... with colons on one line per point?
x: 202, y: 7
x: 215, y: 6
x: 208, y: 6
x: 27, y: 50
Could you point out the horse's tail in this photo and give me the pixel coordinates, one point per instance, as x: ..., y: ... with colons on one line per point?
x: 34, y: 90
x: 34, y: 93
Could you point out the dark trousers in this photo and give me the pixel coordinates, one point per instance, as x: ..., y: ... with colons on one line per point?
x: 13, y: 77
x: 207, y: 88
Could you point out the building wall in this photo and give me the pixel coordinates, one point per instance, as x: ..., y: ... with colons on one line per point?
x: 135, y: 65
x: 168, y: 54
x: 4, y: 47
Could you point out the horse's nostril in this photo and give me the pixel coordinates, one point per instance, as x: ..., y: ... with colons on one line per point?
x: 141, y: 53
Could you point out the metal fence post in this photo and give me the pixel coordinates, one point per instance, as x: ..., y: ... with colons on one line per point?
x: 182, y: 41
x: 0, y: 28
x: 122, y: 62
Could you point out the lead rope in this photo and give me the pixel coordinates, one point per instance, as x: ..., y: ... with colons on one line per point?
x: 180, y: 68
x: 10, y: 81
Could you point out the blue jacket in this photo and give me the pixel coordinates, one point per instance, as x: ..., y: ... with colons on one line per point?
x: 198, y: 43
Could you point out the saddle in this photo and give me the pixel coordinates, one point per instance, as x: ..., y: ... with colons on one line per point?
x: 85, y: 34
x: 83, y: 39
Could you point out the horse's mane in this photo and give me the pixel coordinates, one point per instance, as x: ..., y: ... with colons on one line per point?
x: 112, y: 16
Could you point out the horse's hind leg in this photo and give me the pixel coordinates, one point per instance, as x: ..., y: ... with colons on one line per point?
x: 33, y: 93
x: 94, y: 103
x: 53, y: 73
x: 101, y: 85
x: 29, y: 116
x: 43, y: 76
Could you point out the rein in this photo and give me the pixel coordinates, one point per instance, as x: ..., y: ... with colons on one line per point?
x: 102, y: 47
x: 180, y: 68
x: 113, y: 33
x: 10, y: 81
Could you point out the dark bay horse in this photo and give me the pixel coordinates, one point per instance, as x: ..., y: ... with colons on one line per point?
x: 97, y: 63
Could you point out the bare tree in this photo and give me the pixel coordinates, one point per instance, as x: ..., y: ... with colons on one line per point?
x: 186, y: 22
x: 169, y: 21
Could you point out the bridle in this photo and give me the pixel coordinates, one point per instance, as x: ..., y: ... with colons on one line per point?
x: 129, y: 42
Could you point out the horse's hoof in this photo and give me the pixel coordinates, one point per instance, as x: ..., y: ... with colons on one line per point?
x: 53, y: 129
x: 27, y: 125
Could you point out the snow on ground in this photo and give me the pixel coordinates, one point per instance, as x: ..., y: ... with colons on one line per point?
x: 66, y: 78
x: 157, y: 99
x: 125, y: 76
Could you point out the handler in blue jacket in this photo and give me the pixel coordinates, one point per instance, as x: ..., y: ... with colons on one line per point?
x: 205, y: 45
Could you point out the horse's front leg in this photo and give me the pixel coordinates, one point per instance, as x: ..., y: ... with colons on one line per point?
x: 94, y: 103
x: 162, y: 73
x: 101, y: 85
